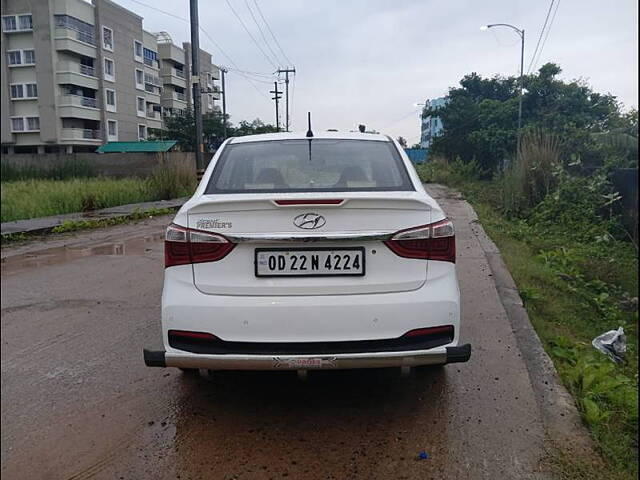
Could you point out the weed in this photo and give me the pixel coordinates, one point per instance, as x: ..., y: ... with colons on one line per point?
x: 578, y: 278
x: 75, y: 225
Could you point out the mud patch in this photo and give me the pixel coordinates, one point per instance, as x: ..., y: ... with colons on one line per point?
x: 136, y: 246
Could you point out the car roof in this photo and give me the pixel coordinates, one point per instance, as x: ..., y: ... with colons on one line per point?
x: 316, y: 135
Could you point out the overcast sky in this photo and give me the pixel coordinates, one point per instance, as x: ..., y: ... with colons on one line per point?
x: 371, y: 61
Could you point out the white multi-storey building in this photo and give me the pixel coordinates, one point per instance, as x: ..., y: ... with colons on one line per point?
x: 76, y: 74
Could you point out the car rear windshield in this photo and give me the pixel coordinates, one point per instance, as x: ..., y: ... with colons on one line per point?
x: 319, y: 165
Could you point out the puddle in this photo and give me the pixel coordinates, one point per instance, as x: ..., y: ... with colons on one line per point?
x: 57, y: 255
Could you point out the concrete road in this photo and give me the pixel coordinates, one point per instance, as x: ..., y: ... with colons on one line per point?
x: 78, y: 402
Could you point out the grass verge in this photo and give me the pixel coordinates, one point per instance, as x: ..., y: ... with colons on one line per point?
x: 76, y: 225
x: 574, y: 290
x: 35, y: 198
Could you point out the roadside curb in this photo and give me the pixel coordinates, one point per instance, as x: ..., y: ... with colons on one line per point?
x: 558, y: 410
x: 46, y: 224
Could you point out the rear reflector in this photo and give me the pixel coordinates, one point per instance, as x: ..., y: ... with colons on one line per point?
x: 191, y: 335
x: 183, y: 246
x: 435, y: 241
x: 444, y: 330
x: 331, y: 201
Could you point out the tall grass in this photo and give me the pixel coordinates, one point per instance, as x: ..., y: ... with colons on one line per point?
x: 171, y: 181
x: 532, y: 176
x: 40, y: 198
x: 10, y: 172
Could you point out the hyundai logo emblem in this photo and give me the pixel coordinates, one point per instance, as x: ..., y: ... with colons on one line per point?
x: 309, y: 221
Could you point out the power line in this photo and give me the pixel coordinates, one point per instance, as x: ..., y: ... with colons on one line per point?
x: 232, y: 62
x: 250, y: 35
x: 220, y: 49
x: 553, y: 17
x: 413, y: 112
x: 289, y: 62
x: 261, y: 32
x: 544, y: 26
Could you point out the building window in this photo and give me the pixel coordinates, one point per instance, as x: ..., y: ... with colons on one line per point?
x: 29, y: 57
x: 142, y: 132
x: 112, y: 130
x: 25, y: 22
x: 17, y: 23
x: 137, y: 51
x: 17, y: 124
x: 109, y: 70
x: 32, y: 90
x: 14, y: 57
x: 107, y: 39
x: 28, y: 90
x: 110, y: 99
x: 140, y: 106
x: 150, y: 57
x: 33, y: 124
x: 16, y: 91
x: 9, y: 23
x: 139, y: 79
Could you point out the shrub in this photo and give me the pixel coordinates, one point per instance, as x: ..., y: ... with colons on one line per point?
x: 170, y: 181
x: 532, y: 176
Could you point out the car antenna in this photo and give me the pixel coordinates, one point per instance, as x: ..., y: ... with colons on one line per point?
x: 309, y: 132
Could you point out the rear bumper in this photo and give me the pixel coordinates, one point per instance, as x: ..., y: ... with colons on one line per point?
x: 434, y: 356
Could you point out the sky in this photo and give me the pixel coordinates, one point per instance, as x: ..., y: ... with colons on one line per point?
x: 371, y: 61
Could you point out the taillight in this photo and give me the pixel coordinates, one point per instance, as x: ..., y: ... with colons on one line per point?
x: 183, y: 246
x: 435, y: 241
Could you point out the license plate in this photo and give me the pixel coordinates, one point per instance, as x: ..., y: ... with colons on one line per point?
x: 309, y: 262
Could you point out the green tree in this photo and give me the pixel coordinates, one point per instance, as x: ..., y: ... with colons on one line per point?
x: 253, y: 128
x: 402, y: 141
x: 182, y: 128
x: 481, y: 117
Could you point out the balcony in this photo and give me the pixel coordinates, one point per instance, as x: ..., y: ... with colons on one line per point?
x: 180, y: 96
x: 173, y: 76
x: 81, y: 135
x: 77, y: 74
x: 152, y: 63
x: 168, y: 51
x: 152, y: 80
x: 215, y: 92
x: 74, y: 41
x: 78, y: 101
x: 215, y: 72
x: 76, y: 106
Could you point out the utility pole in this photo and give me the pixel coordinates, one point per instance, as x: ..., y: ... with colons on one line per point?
x: 286, y: 72
x: 223, y: 70
x: 276, y: 97
x: 195, y: 79
x: 521, y: 92
x: 520, y: 32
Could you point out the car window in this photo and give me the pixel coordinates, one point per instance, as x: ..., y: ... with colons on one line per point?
x: 309, y: 165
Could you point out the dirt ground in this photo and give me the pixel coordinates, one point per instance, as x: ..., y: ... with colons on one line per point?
x: 78, y: 402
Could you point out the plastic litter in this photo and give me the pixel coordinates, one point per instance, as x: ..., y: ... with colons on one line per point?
x: 423, y: 455
x: 612, y: 343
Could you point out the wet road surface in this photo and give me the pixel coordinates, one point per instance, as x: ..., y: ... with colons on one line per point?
x: 78, y: 402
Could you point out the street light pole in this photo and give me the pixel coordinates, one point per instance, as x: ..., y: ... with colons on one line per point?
x: 521, y: 33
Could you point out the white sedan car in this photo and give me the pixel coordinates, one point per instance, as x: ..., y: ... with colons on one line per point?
x: 309, y: 252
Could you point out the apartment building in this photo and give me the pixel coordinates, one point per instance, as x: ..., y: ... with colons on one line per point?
x: 431, y: 125
x: 175, y: 71
x: 76, y: 74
